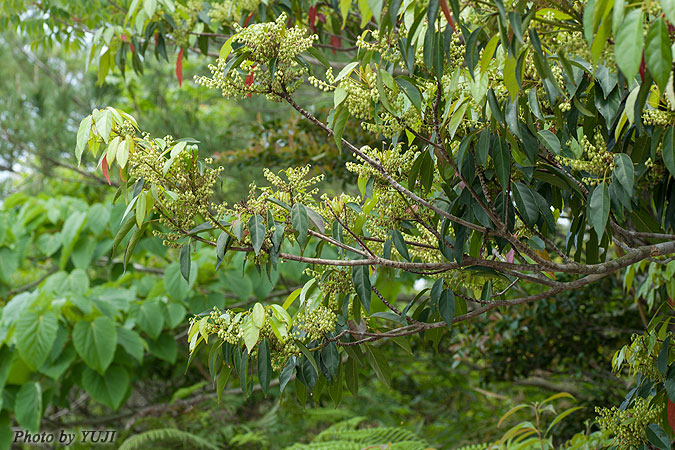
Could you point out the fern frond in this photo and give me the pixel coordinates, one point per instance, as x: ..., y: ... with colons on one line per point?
x: 371, y: 436
x: 483, y: 446
x: 334, y: 432
x: 327, y: 445
x: 154, y: 437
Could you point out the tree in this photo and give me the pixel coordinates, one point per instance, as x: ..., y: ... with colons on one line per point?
x: 516, y: 143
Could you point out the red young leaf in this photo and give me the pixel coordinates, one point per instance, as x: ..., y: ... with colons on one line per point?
x: 249, y: 81
x: 104, y: 166
x: 179, y: 67
x: 446, y: 13
x: 125, y: 39
x: 642, y: 68
x: 248, y: 19
x: 336, y: 42
x: 671, y: 414
x: 312, y: 18
x: 509, y: 256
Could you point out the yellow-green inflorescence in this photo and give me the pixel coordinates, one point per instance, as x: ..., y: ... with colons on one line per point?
x: 269, y: 67
x: 593, y: 158
x: 628, y: 426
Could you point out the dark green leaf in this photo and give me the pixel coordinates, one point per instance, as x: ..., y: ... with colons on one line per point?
x: 300, y: 221
x: 657, y: 437
x: 361, y: 281
x: 598, y: 208
x: 446, y: 306
x: 658, y: 54
x: 257, y: 229
x: 628, y: 47
x: 400, y: 244
x: 668, y: 151
x: 264, y: 365
x: 185, y: 262
x: 502, y: 160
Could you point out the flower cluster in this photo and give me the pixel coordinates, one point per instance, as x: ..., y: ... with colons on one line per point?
x: 269, y: 66
x: 227, y: 12
x: 629, y: 425
x: 315, y: 324
x: 595, y: 159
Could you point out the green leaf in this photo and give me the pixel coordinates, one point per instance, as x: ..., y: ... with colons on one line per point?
x: 251, y: 333
x: 28, y: 406
x: 411, y: 92
x: 668, y: 151
x: 83, y: 137
x: 35, y: 335
x: 103, y: 124
x: 264, y: 366
x: 226, y: 48
x: 549, y: 140
x: 657, y: 437
x: 185, y: 262
x: 502, y: 160
x: 446, y: 306
x: 346, y: 71
x: 624, y: 171
x: 361, y: 281
x: 305, y: 351
x: 95, y: 342
x: 526, y: 202
x: 598, y: 209
x: 339, y: 125
x: 150, y: 318
x: 131, y: 342
x: 258, y: 315
x: 669, y: 9
x: 257, y: 229
x: 628, y: 47
x: 319, y: 56
x: 223, y: 377
x: 400, y: 244
x: 658, y: 54
x: 379, y: 363
x: 109, y: 388
x: 300, y: 222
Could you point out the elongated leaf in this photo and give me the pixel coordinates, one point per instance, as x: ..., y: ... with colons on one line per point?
x: 598, y: 209
x: 300, y: 221
x: 658, y: 54
x: 629, y: 40
x: 83, y: 133
x: 264, y: 366
x: 550, y: 141
x: 526, y: 202
x: 400, y: 244
x: 502, y: 160
x: 361, y: 281
x: 257, y: 230
x: 379, y: 363
x: 657, y: 437
x: 446, y: 306
x: 185, y: 262
x: 668, y: 150
x: 624, y: 171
